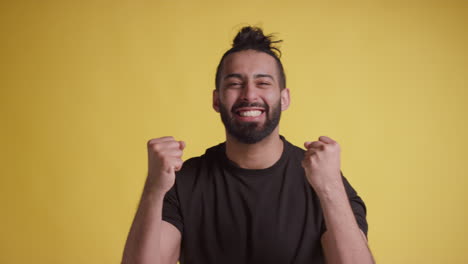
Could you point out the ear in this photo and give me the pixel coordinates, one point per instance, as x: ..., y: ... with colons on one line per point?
x: 285, y: 99
x: 216, y: 100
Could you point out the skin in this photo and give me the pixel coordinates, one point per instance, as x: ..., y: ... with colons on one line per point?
x: 343, y: 242
x: 248, y: 82
x: 148, y: 230
x: 248, y: 76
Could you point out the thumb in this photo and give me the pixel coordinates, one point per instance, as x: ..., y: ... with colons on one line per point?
x: 170, y: 170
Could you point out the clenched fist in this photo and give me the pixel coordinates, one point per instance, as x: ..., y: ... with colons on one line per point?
x: 164, y: 159
x: 322, y: 164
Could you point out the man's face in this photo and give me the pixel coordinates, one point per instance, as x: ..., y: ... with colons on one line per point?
x: 249, y: 98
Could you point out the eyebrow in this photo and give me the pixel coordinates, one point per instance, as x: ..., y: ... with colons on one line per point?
x: 256, y: 76
x: 262, y: 75
x: 232, y: 75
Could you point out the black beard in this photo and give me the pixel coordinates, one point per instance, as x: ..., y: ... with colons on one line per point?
x: 250, y: 132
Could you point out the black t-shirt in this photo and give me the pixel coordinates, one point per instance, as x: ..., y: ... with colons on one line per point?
x: 227, y: 214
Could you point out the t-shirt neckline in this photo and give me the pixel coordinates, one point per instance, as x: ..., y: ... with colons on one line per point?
x: 231, y: 166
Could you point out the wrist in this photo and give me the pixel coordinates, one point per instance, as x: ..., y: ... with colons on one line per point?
x: 153, y: 196
x: 331, y: 191
x: 153, y: 190
x: 156, y: 185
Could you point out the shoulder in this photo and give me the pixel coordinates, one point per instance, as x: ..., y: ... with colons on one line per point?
x: 194, y: 174
x: 293, y: 150
x: 193, y: 165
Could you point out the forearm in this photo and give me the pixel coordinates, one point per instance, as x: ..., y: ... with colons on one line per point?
x: 343, y: 242
x: 143, y: 242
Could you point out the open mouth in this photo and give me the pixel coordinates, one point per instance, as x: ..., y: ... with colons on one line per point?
x: 249, y: 112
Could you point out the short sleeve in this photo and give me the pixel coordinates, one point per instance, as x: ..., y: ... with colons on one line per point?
x: 171, y: 209
x: 357, y: 205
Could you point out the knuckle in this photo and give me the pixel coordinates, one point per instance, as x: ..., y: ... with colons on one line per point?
x: 150, y: 143
x: 335, y: 147
x: 160, y: 156
x: 157, y: 147
x: 154, y: 148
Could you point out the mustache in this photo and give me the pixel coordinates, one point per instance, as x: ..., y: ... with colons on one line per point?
x: 247, y: 104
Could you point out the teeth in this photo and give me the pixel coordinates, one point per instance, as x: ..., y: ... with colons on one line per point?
x: 251, y: 113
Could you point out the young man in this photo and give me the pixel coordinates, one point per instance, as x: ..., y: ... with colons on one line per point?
x: 255, y: 198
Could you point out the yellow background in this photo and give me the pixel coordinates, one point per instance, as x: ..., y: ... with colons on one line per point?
x: 84, y: 85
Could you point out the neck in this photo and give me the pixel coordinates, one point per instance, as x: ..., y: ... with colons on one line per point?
x: 260, y: 155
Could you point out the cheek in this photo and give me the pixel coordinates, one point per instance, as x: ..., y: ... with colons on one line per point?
x: 229, y: 97
x: 272, y: 99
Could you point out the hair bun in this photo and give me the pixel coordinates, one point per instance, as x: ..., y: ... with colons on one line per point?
x: 253, y: 38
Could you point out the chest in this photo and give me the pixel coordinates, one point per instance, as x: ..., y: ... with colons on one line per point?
x: 257, y: 219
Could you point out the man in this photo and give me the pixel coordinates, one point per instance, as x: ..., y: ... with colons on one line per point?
x: 255, y: 198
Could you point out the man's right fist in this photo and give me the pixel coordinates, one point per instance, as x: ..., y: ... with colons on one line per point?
x: 164, y: 159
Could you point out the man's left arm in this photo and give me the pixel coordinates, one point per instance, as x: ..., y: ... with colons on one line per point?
x: 343, y: 240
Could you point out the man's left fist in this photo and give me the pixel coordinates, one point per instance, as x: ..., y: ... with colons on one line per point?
x: 322, y: 164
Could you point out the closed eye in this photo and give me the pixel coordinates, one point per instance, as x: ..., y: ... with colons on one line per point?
x: 234, y: 85
x: 264, y: 84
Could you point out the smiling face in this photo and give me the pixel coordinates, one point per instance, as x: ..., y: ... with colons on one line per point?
x: 249, y: 97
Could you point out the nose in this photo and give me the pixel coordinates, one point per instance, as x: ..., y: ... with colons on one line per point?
x: 249, y: 92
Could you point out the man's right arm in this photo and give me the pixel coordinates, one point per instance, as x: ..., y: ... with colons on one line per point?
x: 152, y: 240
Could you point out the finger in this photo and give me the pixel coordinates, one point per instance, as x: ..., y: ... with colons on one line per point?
x: 317, y: 144
x: 170, y: 170
x: 178, y: 168
x: 307, y: 144
x: 327, y: 140
x: 164, y: 139
x: 178, y: 165
x: 181, y: 145
x: 159, y: 140
x: 173, y: 164
x: 169, y: 145
x: 310, y: 151
x: 172, y: 153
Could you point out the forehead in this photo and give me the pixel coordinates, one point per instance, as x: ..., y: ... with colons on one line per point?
x: 248, y: 63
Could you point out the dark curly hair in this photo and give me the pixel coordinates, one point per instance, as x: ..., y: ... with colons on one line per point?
x: 252, y: 38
